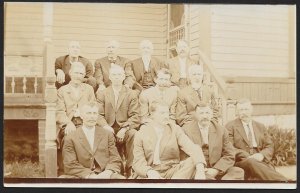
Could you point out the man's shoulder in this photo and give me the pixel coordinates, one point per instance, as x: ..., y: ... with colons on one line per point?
x: 102, y: 60
x: 258, y: 124
x: 62, y: 58
x: 184, y: 91
x: 84, y: 60
x: 103, y: 132
x: 233, y: 122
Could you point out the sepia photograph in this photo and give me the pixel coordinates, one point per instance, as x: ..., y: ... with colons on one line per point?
x: 145, y: 95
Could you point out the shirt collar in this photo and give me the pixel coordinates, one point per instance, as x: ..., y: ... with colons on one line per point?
x: 196, y: 87
x: 245, y: 124
x: 88, y: 130
x: 204, y: 128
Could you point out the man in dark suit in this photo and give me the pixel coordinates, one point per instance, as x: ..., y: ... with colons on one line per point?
x: 63, y: 66
x: 103, y: 65
x: 90, y: 151
x: 119, y: 113
x: 180, y: 64
x: 193, y: 94
x: 214, y: 141
x: 157, y: 148
x: 253, y: 145
x: 140, y: 73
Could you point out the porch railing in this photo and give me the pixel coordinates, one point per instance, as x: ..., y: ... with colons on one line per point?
x: 176, y: 34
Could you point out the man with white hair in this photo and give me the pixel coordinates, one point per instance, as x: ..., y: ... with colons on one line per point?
x: 64, y: 63
x: 119, y: 113
x: 190, y: 96
x: 180, y: 64
x: 103, y: 65
x: 140, y: 73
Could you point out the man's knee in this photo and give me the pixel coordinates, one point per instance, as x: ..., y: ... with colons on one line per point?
x: 234, y: 173
x: 129, y: 135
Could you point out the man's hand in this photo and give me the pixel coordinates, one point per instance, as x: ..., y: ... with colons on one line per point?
x: 105, y: 174
x: 257, y: 156
x: 126, y: 85
x: 60, y: 76
x: 121, y: 134
x: 70, y: 128
x: 200, y: 174
x: 211, y: 173
x: 109, y: 128
x: 152, y: 174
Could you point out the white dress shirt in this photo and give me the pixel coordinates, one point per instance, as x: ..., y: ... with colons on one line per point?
x: 159, y: 133
x: 90, y: 135
x: 146, y: 61
x: 245, y: 125
x: 116, y: 94
x: 182, y: 64
x: 204, y: 134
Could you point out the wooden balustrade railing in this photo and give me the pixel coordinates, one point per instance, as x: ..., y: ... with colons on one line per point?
x: 23, y: 84
x: 176, y: 34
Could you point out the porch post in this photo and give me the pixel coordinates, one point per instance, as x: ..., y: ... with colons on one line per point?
x: 230, y: 110
x: 50, y: 95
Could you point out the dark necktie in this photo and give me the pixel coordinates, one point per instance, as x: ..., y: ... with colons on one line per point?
x: 250, y: 140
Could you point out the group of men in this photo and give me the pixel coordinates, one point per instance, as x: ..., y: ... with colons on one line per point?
x: 151, y: 119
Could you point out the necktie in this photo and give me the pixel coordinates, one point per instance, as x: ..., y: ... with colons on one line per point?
x: 199, y: 92
x: 250, y: 139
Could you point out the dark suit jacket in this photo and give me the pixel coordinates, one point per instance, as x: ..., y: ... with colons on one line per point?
x: 125, y: 113
x: 174, y: 67
x: 221, y: 152
x: 78, y: 158
x: 187, y: 101
x: 240, y: 141
x: 135, y: 71
x: 102, y: 67
x: 64, y: 64
x: 173, y: 140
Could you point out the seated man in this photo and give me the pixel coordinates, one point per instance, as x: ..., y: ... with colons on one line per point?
x: 157, y: 148
x: 190, y: 96
x: 103, y: 65
x: 90, y: 151
x: 70, y: 98
x: 217, y: 149
x: 253, y: 145
x: 180, y: 64
x: 140, y: 73
x: 63, y: 65
x: 119, y: 113
x: 162, y: 91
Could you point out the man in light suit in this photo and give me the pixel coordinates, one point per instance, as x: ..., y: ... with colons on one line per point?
x: 214, y: 141
x: 180, y: 64
x: 162, y: 91
x: 103, y: 65
x: 157, y: 148
x: 140, y: 73
x: 193, y: 94
x: 63, y: 65
x: 119, y: 113
x: 90, y: 151
x: 70, y: 98
x: 253, y: 145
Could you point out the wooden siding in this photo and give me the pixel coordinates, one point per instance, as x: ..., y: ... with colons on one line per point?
x: 250, y: 40
x: 93, y: 25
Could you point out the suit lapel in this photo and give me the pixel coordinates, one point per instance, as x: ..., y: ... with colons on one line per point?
x: 122, y: 95
x: 97, y: 139
x: 241, y: 130
x: 111, y: 97
x: 256, y: 133
x: 164, y: 140
x: 212, y: 137
x: 83, y: 140
x: 195, y: 133
x: 141, y: 68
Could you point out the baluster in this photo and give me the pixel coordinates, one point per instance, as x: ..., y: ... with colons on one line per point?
x: 24, y: 84
x: 13, y: 84
x: 35, y: 84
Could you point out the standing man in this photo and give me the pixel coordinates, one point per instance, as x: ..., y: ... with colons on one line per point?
x: 63, y: 65
x: 180, y: 64
x: 119, y: 113
x: 140, y: 73
x: 103, y: 65
x: 253, y: 145
x: 70, y: 98
x: 157, y: 148
x: 161, y: 91
x: 90, y: 151
x: 190, y: 96
x: 216, y: 146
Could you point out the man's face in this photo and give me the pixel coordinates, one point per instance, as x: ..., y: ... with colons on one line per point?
x: 89, y: 115
x: 182, y: 49
x: 204, y: 116
x: 116, y: 76
x: 163, y: 80
x: 161, y: 115
x: 77, y: 74
x: 112, y: 49
x: 146, y: 49
x: 244, y: 111
x: 196, y: 76
x: 74, y: 49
